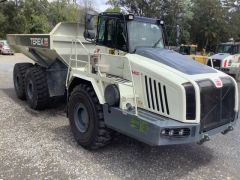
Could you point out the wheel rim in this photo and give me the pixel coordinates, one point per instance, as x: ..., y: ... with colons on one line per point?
x: 81, y: 117
x: 16, y: 82
x: 30, y: 89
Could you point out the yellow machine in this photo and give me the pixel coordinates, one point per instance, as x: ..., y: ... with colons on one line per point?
x: 191, y: 50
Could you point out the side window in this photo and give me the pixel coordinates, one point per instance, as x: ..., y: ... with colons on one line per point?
x: 121, y: 38
x: 109, y: 32
x: 235, y: 49
x: 106, y: 32
x: 101, y: 30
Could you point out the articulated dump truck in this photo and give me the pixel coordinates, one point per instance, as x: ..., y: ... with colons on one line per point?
x: 121, y: 78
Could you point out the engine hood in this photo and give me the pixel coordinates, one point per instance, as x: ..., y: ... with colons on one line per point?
x: 175, y: 60
x: 220, y: 56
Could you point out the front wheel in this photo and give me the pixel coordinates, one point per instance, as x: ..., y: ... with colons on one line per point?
x: 86, y: 118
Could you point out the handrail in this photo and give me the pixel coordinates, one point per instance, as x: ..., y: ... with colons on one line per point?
x: 69, y: 66
x: 74, y: 45
x: 83, y: 45
x: 134, y: 91
x: 71, y: 59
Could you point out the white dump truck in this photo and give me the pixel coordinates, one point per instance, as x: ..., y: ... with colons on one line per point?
x: 122, y: 78
x: 227, y: 55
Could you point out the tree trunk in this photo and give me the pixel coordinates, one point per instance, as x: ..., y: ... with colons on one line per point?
x: 206, y: 43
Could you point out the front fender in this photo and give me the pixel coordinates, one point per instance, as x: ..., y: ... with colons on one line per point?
x: 98, y: 88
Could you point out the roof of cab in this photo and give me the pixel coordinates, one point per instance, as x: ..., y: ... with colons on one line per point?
x: 138, y: 18
x: 230, y: 43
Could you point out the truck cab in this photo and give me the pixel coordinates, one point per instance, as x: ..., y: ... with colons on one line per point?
x: 127, y: 32
x: 191, y: 50
x: 225, y: 56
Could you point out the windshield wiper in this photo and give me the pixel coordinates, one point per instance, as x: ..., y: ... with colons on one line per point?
x: 157, y: 42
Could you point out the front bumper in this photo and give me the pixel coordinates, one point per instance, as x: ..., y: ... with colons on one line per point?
x: 147, y: 127
x: 225, y: 70
x: 230, y: 71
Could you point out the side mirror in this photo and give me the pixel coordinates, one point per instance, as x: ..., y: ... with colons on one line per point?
x: 89, y: 35
x: 89, y: 32
x: 89, y: 21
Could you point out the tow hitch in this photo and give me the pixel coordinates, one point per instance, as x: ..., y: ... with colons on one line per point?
x: 204, y: 139
x: 230, y: 128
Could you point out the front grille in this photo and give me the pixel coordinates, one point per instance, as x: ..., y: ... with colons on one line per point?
x: 217, y: 104
x: 156, y: 93
x: 216, y: 63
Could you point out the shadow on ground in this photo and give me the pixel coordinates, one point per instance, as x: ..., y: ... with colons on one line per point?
x: 126, y: 157
x: 54, y: 103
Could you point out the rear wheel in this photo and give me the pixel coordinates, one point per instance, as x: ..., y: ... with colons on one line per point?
x: 19, y: 73
x: 36, y: 88
x: 86, y: 118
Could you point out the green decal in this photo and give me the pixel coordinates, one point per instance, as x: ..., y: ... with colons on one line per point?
x: 134, y: 123
x: 143, y: 127
x: 140, y: 125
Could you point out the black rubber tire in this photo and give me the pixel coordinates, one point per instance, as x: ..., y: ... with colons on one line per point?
x: 97, y: 134
x: 19, y: 73
x: 36, y: 81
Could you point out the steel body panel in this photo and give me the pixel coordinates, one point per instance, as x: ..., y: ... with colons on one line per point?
x: 147, y: 127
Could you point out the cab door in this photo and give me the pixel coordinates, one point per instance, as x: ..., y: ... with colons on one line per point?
x: 105, y: 33
x: 112, y: 34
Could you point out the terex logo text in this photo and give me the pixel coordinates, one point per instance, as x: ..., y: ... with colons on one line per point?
x: 39, y: 41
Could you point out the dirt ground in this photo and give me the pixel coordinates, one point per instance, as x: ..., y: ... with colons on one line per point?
x: 40, y: 145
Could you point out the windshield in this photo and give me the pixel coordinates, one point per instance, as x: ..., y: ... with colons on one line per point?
x: 142, y: 34
x: 188, y: 50
x: 225, y: 48
x: 4, y: 43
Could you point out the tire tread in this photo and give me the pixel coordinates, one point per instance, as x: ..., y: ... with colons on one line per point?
x: 21, y: 68
x: 38, y: 75
x: 103, y: 134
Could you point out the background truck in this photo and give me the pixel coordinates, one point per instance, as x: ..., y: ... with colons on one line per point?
x: 227, y: 54
x: 191, y: 50
x: 234, y: 69
x: 120, y: 77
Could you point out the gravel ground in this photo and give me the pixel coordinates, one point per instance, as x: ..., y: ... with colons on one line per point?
x: 39, y: 145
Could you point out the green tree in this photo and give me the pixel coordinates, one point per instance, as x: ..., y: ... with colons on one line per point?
x: 172, y: 12
x: 35, y: 12
x: 209, y: 23
x: 114, y: 9
x: 60, y: 11
x: 233, y: 8
x: 37, y: 16
x: 2, y: 22
x: 39, y: 24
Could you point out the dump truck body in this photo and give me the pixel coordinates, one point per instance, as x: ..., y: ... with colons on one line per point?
x: 127, y: 81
